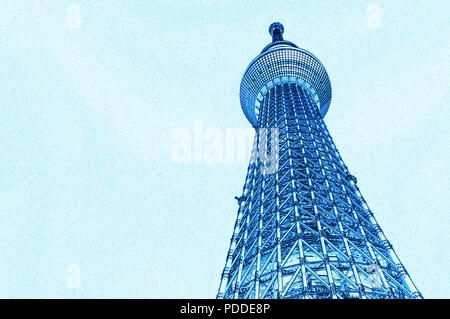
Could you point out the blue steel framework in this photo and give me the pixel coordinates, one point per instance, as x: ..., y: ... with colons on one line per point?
x: 304, y: 231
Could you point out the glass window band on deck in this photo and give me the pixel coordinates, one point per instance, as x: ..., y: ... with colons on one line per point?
x: 285, y: 80
x: 285, y: 63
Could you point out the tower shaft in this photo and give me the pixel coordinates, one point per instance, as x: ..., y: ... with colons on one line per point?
x: 305, y: 231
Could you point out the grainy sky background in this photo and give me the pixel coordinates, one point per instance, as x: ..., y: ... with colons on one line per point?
x: 92, y: 203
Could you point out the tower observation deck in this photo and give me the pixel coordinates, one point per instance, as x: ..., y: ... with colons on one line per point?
x: 303, y: 230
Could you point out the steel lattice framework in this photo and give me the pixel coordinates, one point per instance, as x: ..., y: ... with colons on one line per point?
x: 304, y: 231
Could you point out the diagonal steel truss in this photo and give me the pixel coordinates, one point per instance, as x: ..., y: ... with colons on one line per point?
x: 306, y: 231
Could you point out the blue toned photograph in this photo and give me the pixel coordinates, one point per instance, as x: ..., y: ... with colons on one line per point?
x: 202, y: 150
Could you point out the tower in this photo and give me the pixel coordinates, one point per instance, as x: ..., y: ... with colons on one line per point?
x: 303, y: 229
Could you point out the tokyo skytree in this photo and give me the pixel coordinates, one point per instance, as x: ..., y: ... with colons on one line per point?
x: 303, y: 229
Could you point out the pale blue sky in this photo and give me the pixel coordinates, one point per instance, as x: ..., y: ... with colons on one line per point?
x: 86, y: 116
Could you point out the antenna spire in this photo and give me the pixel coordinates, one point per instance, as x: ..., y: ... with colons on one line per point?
x: 276, y: 30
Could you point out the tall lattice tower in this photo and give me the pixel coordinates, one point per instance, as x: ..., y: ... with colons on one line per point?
x: 303, y: 230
